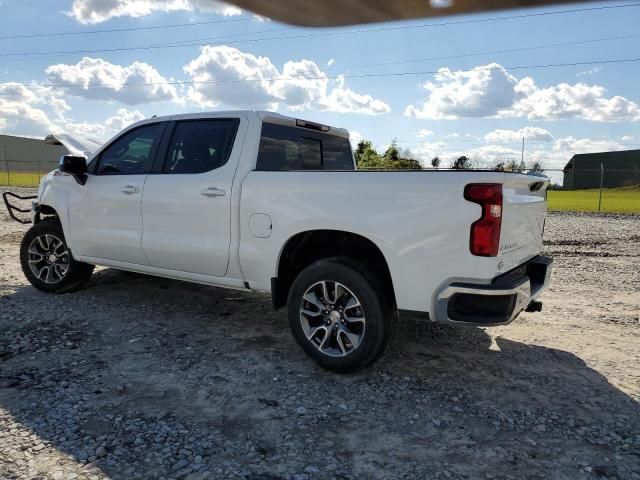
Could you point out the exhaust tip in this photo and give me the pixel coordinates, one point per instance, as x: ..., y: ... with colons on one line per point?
x: 534, y: 306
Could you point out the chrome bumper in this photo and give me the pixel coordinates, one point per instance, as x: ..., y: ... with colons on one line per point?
x: 498, y: 303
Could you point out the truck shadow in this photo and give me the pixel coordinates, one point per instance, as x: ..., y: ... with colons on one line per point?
x: 140, y: 377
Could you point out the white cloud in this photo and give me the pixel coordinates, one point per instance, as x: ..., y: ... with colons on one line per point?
x: 355, y: 138
x: 585, y: 145
x: 36, y: 111
x: 98, y: 11
x: 331, y: 62
x: 342, y: 99
x: 99, y: 79
x: 491, y: 91
x: 481, y: 92
x: 223, y: 66
x: 231, y: 77
x: 571, y: 101
x: 534, y: 134
x: 589, y: 72
x: 29, y: 110
x: 626, y: 138
x: 102, y: 131
x: 552, y: 155
x: 426, y: 151
x: 423, y: 132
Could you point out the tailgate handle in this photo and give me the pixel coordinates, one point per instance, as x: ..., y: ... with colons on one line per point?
x: 534, y: 187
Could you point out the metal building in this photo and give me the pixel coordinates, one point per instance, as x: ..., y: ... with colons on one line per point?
x: 619, y: 169
x: 22, y: 154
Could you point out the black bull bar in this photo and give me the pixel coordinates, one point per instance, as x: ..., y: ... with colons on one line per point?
x: 11, y: 209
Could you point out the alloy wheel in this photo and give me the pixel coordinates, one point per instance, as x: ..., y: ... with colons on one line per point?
x: 48, y: 258
x: 332, y: 318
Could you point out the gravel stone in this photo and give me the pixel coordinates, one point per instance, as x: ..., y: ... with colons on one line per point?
x: 214, y: 386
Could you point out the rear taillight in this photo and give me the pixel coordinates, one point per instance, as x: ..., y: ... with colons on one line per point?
x: 485, y: 232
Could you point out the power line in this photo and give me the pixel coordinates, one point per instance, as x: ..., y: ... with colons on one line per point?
x: 324, y: 34
x: 487, y: 52
x: 415, y: 143
x: 467, y: 55
x: 472, y: 149
x: 22, y: 3
x: 130, y: 29
x: 329, y: 77
x: 177, y: 25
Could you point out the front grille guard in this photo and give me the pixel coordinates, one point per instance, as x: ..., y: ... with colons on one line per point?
x: 11, y: 209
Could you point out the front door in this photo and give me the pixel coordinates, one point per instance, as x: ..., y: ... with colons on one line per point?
x: 186, y: 206
x: 106, y: 213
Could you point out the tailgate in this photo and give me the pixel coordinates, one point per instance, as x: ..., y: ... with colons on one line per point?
x: 523, y: 214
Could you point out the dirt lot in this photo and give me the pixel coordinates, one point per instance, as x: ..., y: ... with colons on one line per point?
x: 140, y: 377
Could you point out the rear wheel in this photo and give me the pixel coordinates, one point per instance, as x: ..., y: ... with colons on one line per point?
x: 47, y: 261
x: 339, y: 314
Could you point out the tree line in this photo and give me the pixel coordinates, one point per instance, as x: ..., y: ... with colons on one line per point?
x: 394, y: 158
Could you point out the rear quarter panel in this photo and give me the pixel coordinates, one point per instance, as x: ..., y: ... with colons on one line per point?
x: 419, y: 220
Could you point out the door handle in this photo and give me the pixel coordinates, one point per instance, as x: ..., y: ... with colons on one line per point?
x: 129, y: 189
x: 212, y: 192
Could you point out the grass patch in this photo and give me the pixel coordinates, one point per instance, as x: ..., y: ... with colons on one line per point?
x: 20, y: 179
x: 614, y: 200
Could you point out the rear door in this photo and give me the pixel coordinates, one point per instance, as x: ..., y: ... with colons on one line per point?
x: 106, y: 213
x: 186, y: 206
x: 523, y: 215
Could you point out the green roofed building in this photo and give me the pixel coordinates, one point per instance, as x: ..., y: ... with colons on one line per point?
x: 621, y: 169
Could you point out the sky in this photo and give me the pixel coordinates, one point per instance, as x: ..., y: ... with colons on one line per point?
x: 562, y: 78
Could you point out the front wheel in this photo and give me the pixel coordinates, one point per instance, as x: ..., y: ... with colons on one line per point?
x: 47, y: 261
x: 340, y: 314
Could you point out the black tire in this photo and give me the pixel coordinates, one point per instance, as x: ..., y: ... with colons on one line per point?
x: 76, y: 275
x: 377, y: 305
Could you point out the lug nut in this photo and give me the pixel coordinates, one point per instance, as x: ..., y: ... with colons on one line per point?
x: 326, y: 312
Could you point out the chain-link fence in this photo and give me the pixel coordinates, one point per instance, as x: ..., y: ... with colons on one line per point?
x: 612, y: 190
x: 23, y: 174
x: 588, y: 190
x: 23, y: 161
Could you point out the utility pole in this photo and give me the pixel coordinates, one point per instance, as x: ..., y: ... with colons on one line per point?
x: 3, y: 162
x: 601, y: 181
x: 522, y: 158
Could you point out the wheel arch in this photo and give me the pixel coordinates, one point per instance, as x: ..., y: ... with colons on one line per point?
x: 307, y: 247
x: 46, y: 212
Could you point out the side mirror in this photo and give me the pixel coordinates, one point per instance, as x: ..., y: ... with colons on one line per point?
x: 75, y: 166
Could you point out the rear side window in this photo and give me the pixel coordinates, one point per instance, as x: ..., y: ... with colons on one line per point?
x: 292, y: 148
x: 199, y: 146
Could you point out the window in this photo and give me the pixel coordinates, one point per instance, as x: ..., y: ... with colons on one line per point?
x: 336, y: 153
x: 292, y: 148
x: 132, y: 153
x: 311, y: 153
x: 199, y: 146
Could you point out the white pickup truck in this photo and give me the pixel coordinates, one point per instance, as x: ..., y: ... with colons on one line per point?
x: 260, y: 201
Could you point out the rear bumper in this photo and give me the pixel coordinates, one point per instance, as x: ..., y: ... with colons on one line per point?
x: 498, y: 303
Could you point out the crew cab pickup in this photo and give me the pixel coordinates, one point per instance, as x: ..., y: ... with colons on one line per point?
x: 260, y: 201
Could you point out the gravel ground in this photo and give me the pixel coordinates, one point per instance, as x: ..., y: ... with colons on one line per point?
x: 140, y: 377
